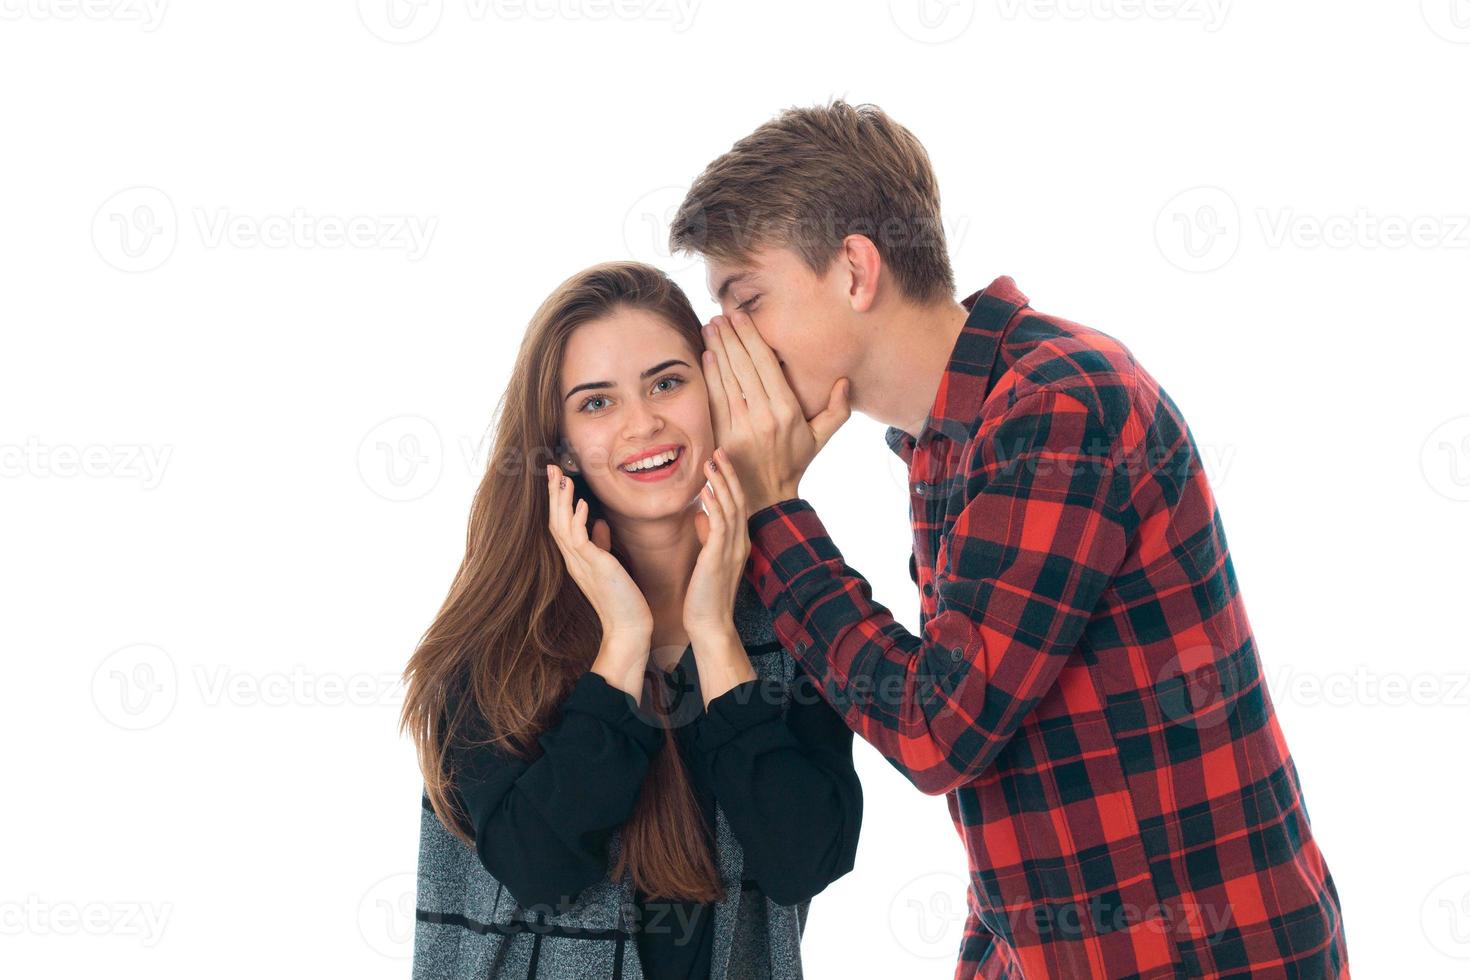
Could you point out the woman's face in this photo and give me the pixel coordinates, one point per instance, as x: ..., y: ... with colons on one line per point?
x: 630, y: 386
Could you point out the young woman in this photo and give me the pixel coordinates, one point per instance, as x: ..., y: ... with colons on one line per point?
x: 625, y: 775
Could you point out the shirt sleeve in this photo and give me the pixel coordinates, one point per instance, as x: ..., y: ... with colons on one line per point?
x: 542, y: 827
x: 786, y: 783
x: 1040, y: 534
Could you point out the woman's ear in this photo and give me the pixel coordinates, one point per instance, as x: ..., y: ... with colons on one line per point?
x: 564, y: 457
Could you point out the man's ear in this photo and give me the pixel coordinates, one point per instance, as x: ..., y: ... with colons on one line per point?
x: 863, y: 264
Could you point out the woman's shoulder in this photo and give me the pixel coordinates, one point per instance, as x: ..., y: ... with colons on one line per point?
x: 758, y: 635
x: 752, y: 618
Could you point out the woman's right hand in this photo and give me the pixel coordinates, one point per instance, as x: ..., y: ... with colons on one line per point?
x: 602, y: 578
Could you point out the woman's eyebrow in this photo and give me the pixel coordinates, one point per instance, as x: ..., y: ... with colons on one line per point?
x: 661, y: 366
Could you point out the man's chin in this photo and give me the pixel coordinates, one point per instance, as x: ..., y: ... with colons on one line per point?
x: 809, y: 409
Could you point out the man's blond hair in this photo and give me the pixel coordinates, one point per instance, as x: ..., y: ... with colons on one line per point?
x: 812, y: 176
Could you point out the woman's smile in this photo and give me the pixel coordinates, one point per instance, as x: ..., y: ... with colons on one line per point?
x: 656, y: 473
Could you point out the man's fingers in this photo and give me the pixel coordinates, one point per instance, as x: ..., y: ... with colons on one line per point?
x: 729, y: 383
x: 719, y: 407
x: 747, y: 379
x: 765, y: 363
x: 831, y: 418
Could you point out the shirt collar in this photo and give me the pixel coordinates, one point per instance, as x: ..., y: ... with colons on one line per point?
x: 971, y: 371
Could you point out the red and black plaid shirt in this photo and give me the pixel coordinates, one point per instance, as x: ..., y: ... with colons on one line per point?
x: 1084, y: 686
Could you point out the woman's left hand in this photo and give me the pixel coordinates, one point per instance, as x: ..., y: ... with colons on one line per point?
x: 709, y: 603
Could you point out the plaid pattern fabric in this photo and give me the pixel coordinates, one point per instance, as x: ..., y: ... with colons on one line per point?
x: 1085, y: 687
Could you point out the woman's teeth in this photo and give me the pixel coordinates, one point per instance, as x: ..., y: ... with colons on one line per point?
x: 652, y: 462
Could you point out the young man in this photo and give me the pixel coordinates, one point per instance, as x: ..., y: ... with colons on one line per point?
x: 1084, y: 687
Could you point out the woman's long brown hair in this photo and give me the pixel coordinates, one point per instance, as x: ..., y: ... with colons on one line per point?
x: 515, y: 631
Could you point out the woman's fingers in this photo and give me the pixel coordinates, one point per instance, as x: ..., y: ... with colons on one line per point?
x: 721, y: 488
x: 732, y: 479
x: 716, y: 513
x: 601, y: 535
x: 562, y: 521
x: 579, y: 525
x: 554, y: 507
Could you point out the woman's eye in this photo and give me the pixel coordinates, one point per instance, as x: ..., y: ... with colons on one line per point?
x: 746, y: 306
x: 674, y: 379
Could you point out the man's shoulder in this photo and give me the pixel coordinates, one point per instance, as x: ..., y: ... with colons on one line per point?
x: 1050, y: 355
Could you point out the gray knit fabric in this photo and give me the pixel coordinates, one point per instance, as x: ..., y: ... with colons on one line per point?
x: 469, y: 926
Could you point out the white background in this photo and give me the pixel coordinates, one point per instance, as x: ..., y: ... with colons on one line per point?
x: 238, y: 452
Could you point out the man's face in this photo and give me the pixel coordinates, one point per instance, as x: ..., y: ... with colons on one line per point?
x: 805, y: 319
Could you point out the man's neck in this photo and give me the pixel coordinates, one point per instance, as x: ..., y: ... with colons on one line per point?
x: 908, y: 350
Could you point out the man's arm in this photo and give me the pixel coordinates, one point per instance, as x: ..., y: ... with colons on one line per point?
x: 1022, y: 569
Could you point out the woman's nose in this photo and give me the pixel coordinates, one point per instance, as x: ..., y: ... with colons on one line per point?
x: 642, y: 421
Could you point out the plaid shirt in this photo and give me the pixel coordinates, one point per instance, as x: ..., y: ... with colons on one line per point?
x: 1084, y: 687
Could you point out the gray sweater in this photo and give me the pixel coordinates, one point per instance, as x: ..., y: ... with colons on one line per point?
x: 468, y: 925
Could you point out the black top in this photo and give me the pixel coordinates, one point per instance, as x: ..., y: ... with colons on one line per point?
x: 786, y: 784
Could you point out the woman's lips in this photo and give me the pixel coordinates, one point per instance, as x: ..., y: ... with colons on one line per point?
x: 652, y: 476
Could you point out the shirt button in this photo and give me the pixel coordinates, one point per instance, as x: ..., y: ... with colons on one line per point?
x: 921, y: 488
x: 800, y: 646
x: 928, y: 588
